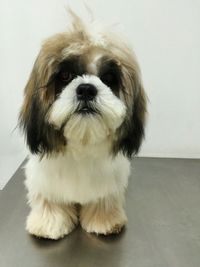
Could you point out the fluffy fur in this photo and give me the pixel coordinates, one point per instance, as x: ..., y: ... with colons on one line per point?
x: 80, y: 150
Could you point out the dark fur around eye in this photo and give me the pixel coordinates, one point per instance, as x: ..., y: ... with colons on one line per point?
x: 110, y: 79
x: 62, y: 79
x: 67, y: 71
x: 110, y: 75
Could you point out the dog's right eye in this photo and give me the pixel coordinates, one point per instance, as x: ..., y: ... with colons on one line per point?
x: 65, y: 76
x: 62, y: 79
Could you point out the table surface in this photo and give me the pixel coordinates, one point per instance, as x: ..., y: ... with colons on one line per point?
x: 163, y: 208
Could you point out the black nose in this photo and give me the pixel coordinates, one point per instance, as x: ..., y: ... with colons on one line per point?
x: 86, y: 92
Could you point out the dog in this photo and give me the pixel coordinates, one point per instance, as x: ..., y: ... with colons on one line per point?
x: 83, y: 117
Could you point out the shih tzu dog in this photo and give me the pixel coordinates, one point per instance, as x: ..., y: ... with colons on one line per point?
x: 83, y: 117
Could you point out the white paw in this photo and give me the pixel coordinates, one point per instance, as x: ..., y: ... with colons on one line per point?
x: 103, y: 224
x: 104, y: 229
x: 51, y: 225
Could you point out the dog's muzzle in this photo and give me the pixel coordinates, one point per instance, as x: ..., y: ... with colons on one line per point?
x: 86, y: 94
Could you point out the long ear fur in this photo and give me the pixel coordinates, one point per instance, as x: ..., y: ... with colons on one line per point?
x: 41, y: 137
x: 131, y: 132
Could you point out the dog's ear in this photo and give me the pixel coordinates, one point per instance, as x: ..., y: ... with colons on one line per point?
x: 39, y: 94
x: 131, y: 132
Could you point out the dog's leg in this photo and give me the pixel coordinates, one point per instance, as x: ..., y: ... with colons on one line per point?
x: 106, y: 216
x: 50, y: 220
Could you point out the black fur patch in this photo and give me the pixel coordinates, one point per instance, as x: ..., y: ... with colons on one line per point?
x: 131, y: 132
x: 73, y: 66
x: 110, y: 74
x: 41, y: 137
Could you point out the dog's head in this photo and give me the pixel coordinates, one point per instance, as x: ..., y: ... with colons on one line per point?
x: 84, y: 88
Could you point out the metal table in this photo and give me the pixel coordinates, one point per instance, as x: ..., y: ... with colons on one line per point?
x: 163, y: 208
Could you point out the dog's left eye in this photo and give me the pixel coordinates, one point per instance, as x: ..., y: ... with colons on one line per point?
x: 109, y: 78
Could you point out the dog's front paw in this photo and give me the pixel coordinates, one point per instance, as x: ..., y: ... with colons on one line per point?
x: 52, y: 222
x: 95, y: 219
x: 104, y: 228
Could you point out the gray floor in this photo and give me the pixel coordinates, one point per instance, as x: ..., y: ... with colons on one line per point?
x: 163, y: 207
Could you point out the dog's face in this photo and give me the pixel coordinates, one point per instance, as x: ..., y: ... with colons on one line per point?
x: 85, y: 90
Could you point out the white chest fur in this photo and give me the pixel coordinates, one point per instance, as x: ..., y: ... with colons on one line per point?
x: 81, y: 174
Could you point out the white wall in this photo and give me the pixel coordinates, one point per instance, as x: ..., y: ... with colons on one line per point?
x: 166, y: 38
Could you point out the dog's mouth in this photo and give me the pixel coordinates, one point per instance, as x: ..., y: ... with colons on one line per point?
x: 85, y: 108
